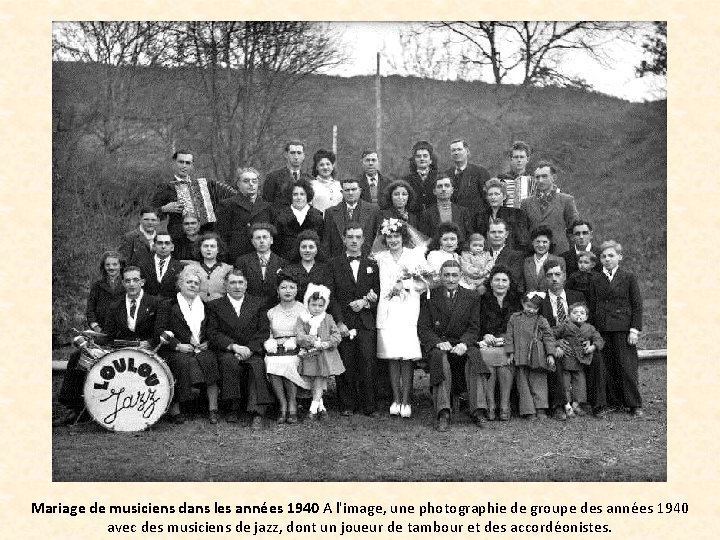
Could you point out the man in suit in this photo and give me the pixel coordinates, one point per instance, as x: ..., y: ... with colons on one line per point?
x: 132, y: 318
x: 444, y: 210
x: 166, y: 195
x: 550, y: 207
x: 448, y: 328
x: 582, y: 235
x: 555, y: 308
x: 372, y: 183
x: 278, y: 182
x: 137, y: 245
x: 519, y: 183
x: 237, y: 214
x: 237, y: 327
x: 352, y: 209
x: 261, y: 267
x: 161, y: 272
x: 354, y: 281
x: 468, y: 179
x: 502, y: 254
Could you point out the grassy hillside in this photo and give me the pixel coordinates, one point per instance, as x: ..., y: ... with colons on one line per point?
x: 611, y: 153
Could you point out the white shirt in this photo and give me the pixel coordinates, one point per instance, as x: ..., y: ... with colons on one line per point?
x: 554, y: 298
x: 611, y: 273
x: 236, y: 304
x: 149, y: 237
x: 300, y: 215
x: 496, y: 254
x: 539, y: 262
x: 131, y: 321
x: 355, y: 266
x: 587, y: 248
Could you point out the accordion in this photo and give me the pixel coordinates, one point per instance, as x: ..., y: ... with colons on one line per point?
x: 518, y: 188
x: 197, y: 195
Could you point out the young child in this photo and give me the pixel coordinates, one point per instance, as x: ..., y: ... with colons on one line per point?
x: 579, y: 342
x: 585, y: 279
x: 475, y: 264
x: 532, y: 362
x: 318, y: 337
x: 447, y: 241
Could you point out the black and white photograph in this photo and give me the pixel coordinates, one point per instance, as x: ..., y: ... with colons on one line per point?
x: 291, y: 251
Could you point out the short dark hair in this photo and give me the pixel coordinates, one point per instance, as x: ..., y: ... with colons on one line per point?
x: 579, y: 304
x: 182, y: 151
x: 589, y: 255
x: 552, y: 262
x: 520, y: 145
x: 367, y: 152
x: 577, y: 223
x: 133, y: 268
x: 547, y: 164
x: 235, y: 271
x: 307, y: 187
x: 294, y: 142
x: 541, y: 230
x: 263, y: 226
x: 148, y: 210
x: 500, y: 269
x: 352, y: 225
x: 443, y: 176
x: 212, y: 236
x: 499, y: 221
x: 349, y: 180
x: 450, y: 263
x: 387, y: 193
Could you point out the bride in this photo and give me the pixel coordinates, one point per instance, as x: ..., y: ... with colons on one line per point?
x: 400, y: 253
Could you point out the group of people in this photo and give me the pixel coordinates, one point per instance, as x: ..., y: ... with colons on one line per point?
x: 270, y: 288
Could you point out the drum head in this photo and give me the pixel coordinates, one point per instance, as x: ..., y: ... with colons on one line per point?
x: 128, y: 389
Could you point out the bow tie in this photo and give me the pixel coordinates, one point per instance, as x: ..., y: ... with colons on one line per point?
x: 351, y: 259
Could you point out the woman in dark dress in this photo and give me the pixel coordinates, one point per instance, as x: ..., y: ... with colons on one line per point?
x: 308, y: 263
x: 400, y: 197
x: 296, y: 217
x: 422, y: 176
x: 495, y: 195
x: 500, y: 300
x: 190, y: 359
x: 187, y: 248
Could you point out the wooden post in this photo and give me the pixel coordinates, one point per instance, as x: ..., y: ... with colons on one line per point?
x: 378, y: 113
x: 334, y: 143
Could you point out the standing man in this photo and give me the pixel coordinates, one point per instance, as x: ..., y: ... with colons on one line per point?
x: 555, y: 308
x: 354, y: 281
x: 582, y: 234
x: 448, y: 328
x: 160, y: 275
x: 443, y: 210
x: 137, y: 245
x: 352, y: 209
x: 468, y: 179
x: 260, y: 268
x: 503, y: 255
x: 550, y: 207
x: 185, y: 194
x: 131, y: 318
x: 237, y: 214
x: 372, y: 183
x: 279, y: 182
x: 518, y: 182
x: 237, y: 328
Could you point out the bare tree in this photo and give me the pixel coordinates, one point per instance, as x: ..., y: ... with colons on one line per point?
x: 532, y: 53
x: 655, y: 46
x: 251, y: 74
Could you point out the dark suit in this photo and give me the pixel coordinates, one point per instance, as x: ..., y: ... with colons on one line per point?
x: 424, y: 190
x: 558, y: 216
x: 366, y: 215
x: 382, y: 184
x: 356, y: 387
x: 250, y: 329
x: 469, y: 186
x: 570, y: 257
x: 262, y: 287
x: 620, y: 308
x: 115, y: 326
x: 516, y: 222
x: 514, y: 261
x: 235, y: 217
x: 288, y: 228
x: 460, y: 216
x: 135, y: 247
x: 276, y: 188
x: 189, y: 369
x: 167, y: 288
x: 532, y: 280
x: 455, y: 322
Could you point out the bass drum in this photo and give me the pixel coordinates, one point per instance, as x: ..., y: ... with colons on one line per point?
x: 128, y: 389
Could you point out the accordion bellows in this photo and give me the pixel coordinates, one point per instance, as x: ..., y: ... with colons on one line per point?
x: 195, y: 197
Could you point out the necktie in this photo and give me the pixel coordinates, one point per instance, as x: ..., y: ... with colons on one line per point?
x: 561, y: 315
x: 161, y: 269
x: 373, y: 189
x: 350, y: 213
x: 351, y: 259
x: 296, y: 175
x: 133, y: 307
x: 263, y: 265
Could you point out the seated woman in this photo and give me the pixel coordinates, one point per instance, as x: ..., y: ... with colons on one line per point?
x: 103, y: 294
x: 309, y: 264
x: 399, y: 198
x: 499, y: 301
x: 295, y: 218
x: 328, y: 191
x: 186, y: 247
x: 495, y: 195
x: 281, y: 360
x: 192, y: 363
x: 212, y: 282
x: 541, y: 239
